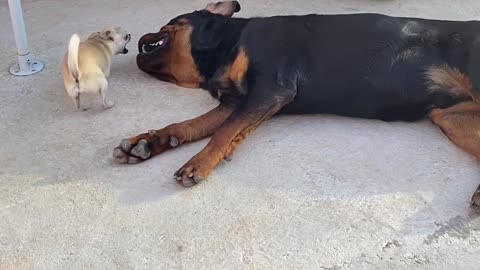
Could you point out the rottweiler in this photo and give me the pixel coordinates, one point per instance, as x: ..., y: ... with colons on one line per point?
x: 356, y: 65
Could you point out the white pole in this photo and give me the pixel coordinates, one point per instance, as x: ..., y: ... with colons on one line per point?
x: 26, y: 65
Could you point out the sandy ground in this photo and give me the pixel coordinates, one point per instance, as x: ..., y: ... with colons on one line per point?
x: 302, y: 192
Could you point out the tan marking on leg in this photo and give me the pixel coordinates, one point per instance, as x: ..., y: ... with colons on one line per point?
x: 225, y: 141
x: 158, y: 141
x: 461, y: 123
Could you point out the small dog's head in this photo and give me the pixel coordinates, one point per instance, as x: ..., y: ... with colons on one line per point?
x: 115, y: 37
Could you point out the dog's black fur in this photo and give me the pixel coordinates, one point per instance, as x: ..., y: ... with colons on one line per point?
x: 360, y: 65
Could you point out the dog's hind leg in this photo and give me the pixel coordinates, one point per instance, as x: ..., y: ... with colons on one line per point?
x: 107, y: 103
x: 461, y: 123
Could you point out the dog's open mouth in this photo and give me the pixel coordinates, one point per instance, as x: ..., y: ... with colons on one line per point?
x: 150, y: 45
x: 128, y: 37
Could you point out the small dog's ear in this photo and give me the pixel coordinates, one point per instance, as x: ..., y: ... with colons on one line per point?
x: 107, y: 35
x: 92, y: 35
x: 224, y: 8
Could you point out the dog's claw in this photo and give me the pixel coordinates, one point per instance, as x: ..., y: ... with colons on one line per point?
x: 141, y: 150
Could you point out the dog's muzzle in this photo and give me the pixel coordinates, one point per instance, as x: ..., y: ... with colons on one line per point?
x: 125, y: 50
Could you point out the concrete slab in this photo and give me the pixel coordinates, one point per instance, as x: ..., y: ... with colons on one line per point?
x: 303, y: 192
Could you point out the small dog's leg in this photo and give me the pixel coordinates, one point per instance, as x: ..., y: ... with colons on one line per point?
x: 76, y: 97
x: 107, y: 104
x: 76, y: 101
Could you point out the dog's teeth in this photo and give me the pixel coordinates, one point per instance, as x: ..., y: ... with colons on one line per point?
x: 143, y: 49
x: 160, y: 42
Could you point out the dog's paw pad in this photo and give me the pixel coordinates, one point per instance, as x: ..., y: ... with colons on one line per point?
x: 126, y: 145
x: 174, y: 141
x: 131, y: 153
x: 119, y: 156
x: 141, y: 150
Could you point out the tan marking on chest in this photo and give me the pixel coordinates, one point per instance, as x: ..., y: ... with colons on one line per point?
x: 239, y: 69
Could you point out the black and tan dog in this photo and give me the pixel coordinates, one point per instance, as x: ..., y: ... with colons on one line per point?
x: 363, y: 65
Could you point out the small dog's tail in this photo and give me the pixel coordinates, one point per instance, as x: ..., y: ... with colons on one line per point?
x: 72, y: 58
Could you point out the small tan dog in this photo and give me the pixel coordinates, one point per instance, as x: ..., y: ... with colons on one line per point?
x: 86, y: 65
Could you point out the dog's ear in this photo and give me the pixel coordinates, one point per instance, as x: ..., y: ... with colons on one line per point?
x: 224, y: 8
x: 107, y: 35
x: 208, y: 36
x: 92, y: 35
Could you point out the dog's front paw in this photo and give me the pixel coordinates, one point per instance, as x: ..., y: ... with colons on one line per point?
x: 131, y: 151
x: 190, y: 174
x: 198, y: 168
x: 144, y: 146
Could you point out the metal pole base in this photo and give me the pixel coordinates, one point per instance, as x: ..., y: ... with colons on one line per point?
x: 26, y: 66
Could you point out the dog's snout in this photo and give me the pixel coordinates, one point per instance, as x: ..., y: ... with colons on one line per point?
x: 236, y: 6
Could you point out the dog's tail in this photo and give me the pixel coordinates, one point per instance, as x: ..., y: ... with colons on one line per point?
x: 72, y: 58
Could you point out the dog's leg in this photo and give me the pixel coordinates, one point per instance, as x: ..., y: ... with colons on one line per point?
x: 107, y: 103
x: 76, y: 101
x: 144, y: 146
x: 76, y: 96
x: 461, y: 123
x: 225, y: 139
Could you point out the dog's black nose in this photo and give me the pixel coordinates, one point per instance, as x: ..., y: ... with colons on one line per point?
x: 236, y: 6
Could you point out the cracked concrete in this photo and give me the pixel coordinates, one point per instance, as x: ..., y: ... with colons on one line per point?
x: 302, y: 192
